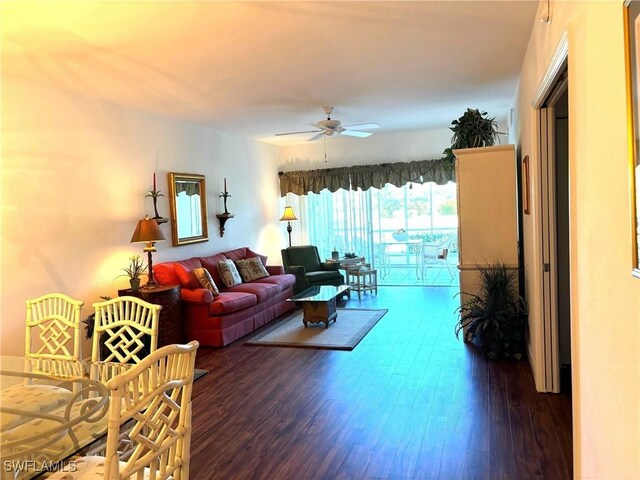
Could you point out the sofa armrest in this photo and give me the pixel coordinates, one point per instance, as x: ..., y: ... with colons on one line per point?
x: 275, y: 269
x: 330, y: 266
x: 196, y: 295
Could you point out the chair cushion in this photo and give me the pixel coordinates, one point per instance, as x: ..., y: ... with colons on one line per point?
x: 307, y: 256
x: 324, y: 275
x: 31, y: 398
x: 251, y: 269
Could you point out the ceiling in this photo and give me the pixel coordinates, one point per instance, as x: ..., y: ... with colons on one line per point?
x: 258, y: 68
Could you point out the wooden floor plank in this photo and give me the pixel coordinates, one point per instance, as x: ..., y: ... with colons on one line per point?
x: 409, y: 402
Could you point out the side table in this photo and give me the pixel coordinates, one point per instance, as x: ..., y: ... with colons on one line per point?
x: 364, y: 280
x: 170, y: 322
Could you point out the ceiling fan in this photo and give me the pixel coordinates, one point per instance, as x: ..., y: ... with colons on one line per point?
x: 330, y: 127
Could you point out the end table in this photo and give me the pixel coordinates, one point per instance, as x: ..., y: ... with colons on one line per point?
x: 170, y: 322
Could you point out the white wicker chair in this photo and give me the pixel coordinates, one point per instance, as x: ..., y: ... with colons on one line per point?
x: 156, y: 396
x: 125, y: 330
x: 434, y: 254
x: 53, y: 347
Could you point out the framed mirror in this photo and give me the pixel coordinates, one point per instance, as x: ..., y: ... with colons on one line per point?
x: 632, y: 44
x: 188, y: 208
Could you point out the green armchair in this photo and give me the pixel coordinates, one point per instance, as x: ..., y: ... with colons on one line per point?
x: 304, y: 262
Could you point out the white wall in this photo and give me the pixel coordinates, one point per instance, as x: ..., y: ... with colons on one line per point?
x: 605, y: 299
x: 74, y: 174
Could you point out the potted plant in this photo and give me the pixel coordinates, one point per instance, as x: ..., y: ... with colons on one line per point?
x: 473, y: 129
x: 496, y: 318
x: 135, y: 269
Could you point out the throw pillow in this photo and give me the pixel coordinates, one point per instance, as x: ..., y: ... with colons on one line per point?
x: 251, y: 269
x: 204, y: 277
x: 229, y: 273
x: 251, y: 254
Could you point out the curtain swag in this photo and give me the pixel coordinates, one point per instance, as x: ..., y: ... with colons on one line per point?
x: 301, y: 182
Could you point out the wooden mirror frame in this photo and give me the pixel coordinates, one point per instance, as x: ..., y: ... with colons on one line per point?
x: 632, y: 37
x: 174, y: 178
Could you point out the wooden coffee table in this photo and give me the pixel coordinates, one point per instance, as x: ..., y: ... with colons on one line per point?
x: 319, y: 303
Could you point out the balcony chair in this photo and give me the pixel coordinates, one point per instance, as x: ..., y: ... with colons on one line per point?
x: 436, y: 253
x: 53, y: 347
x: 156, y: 399
x: 304, y: 262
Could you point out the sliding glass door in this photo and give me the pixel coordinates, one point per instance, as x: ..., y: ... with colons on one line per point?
x: 391, y: 227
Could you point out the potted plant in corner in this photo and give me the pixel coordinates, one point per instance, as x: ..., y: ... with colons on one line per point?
x: 495, y: 319
x: 473, y: 129
x: 134, y: 271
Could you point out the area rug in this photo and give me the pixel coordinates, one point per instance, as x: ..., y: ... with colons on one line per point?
x: 351, y: 325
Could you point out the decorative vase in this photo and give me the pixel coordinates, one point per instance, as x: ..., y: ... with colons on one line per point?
x: 135, y: 283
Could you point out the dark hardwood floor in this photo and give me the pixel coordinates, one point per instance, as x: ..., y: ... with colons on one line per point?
x: 409, y: 402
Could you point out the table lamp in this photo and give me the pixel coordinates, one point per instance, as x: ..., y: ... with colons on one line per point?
x: 148, y: 231
x: 287, y: 216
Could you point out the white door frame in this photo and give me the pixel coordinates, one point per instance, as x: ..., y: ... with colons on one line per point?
x: 546, y: 346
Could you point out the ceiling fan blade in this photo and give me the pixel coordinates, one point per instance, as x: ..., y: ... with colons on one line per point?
x: 315, y: 137
x: 296, y: 133
x: 363, y: 126
x: 354, y: 133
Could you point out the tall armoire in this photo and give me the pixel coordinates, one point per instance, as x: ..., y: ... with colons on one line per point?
x: 487, y: 210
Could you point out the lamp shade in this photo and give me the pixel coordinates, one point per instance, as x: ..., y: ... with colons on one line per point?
x: 147, y: 230
x: 288, y: 215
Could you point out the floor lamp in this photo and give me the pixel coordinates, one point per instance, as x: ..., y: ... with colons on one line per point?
x: 287, y: 216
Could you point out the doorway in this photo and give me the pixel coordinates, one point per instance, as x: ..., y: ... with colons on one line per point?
x: 554, y: 188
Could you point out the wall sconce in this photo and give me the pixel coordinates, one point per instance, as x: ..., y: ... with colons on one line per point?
x: 288, y: 216
x: 148, y: 231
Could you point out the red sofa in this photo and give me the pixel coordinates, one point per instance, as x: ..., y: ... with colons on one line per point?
x: 237, y: 311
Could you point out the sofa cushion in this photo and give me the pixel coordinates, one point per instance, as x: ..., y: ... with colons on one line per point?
x: 230, y: 301
x: 229, y: 273
x: 211, y: 264
x: 262, y: 291
x: 236, y: 254
x: 251, y: 269
x: 204, y: 277
x: 184, y: 271
x: 165, y: 274
x: 283, y: 281
x: 251, y: 254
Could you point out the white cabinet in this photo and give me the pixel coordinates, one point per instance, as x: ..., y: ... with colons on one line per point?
x: 487, y: 210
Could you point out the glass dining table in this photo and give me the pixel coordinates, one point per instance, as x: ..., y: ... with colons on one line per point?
x: 37, y: 435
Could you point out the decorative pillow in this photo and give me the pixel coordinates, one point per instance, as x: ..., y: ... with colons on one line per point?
x: 229, y: 273
x: 204, y: 277
x: 251, y: 269
x: 251, y: 254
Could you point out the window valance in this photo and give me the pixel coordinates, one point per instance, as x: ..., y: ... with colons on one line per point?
x: 301, y: 182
